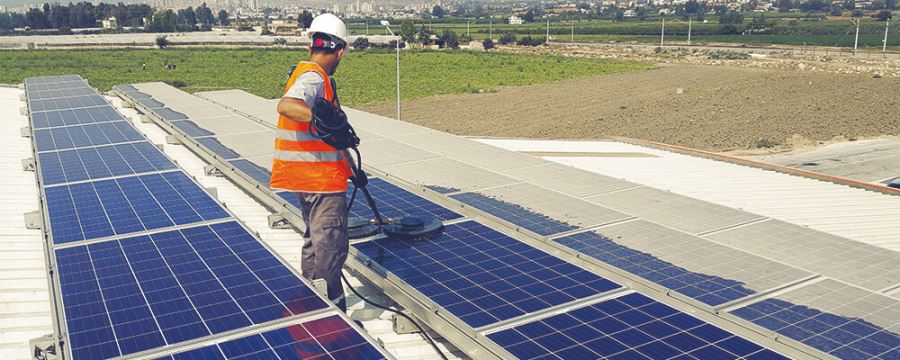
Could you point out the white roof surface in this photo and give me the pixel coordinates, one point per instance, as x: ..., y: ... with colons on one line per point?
x: 853, y: 213
x: 24, y: 299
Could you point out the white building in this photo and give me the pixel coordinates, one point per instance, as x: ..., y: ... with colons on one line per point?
x: 515, y: 20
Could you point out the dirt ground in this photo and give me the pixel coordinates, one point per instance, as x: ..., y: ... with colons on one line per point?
x: 717, y: 108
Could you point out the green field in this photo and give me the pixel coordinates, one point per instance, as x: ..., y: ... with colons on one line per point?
x: 363, y: 77
x: 783, y: 29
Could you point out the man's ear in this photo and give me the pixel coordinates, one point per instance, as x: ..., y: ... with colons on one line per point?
x: 310, y: 50
x: 341, y: 52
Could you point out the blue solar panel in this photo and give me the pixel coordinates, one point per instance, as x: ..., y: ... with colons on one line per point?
x: 143, y: 292
x: 99, y: 162
x: 537, y: 223
x: 327, y: 338
x: 629, y: 327
x: 217, y: 148
x: 69, y: 137
x: 74, y: 117
x: 75, y: 89
x: 392, y: 201
x: 124, y: 205
x: 711, y: 290
x: 258, y: 173
x: 191, y: 129
x: 841, y: 336
x: 483, y: 276
x: 67, y: 103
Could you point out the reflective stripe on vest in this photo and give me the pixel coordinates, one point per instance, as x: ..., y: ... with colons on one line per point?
x: 308, y: 156
x: 301, y: 162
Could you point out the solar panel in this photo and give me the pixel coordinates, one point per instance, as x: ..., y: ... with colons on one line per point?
x: 119, y: 206
x: 326, y: 338
x: 217, y: 148
x: 836, y: 318
x: 67, y: 117
x: 483, y: 276
x: 67, y: 103
x: 53, y: 79
x: 632, y: 326
x: 538, y: 223
x: 692, y: 266
x: 258, y: 173
x: 99, y: 162
x: 149, y: 102
x: 169, y: 114
x: 191, y: 129
x: 128, y: 295
x: 62, y: 138
x: 73, y: 90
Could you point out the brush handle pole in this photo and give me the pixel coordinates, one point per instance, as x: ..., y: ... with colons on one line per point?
x: 359, y: 173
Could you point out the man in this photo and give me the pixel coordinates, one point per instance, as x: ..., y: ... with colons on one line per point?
x: 310, y: 167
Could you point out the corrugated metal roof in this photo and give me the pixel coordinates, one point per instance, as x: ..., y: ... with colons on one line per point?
x: 287, y: 243
x: 853, y: 213
x: 24, y: 299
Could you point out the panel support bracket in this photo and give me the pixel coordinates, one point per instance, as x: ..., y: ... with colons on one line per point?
x: 171, y: 139
x: 212, y: 170
x: 44, y: 347
x: 33, y: 220
x: 25, y: 131
x: 212, y: 192
x: 22, y: 97
x: 23, y: 111
x: 402, y: 325
x: 28, y: 164
x: 146, y: 119
x: 278, y: 221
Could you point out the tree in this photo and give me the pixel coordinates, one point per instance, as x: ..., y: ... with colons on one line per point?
x: 529, y: 16
x: 890, y: 4
x: 162, y: 42
x: 837, y: 10
x: 850, y: 4
x: 731, y: 18
x: 423, y: 36
x: 883, y: 15
x: 408, y: 31
x: 59, y: 16
x: 164, y: 21
x: 641, y: 13
x: 361, y: 43
x: 488, y: 44
x: 784, y: 5
x: 856, y: 13
x: 508, y: 38
x: 187, y: 16
x: 5, y: 21
x: 223, y: 18
x: 36, y: 19
x: 449, y: 39
x: 205, y: 15
x: 305, y: 19
x: 437, y: 11
x: 814, y: 6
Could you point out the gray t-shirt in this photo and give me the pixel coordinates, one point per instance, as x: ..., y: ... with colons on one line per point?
x: 308, y: 87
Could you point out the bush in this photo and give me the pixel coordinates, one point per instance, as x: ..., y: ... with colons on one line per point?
x: 361, y: 43
x: 883, y: 15
x: 176, y: 83
x: 280, y: 41
x: 245, y: 28
x: 529, y: 41
x: 507, y: 39
x: 449, y: 39
x: 162, y: 42
x: 488, y: 44
x: 765, y: 143
x: 728, y: 55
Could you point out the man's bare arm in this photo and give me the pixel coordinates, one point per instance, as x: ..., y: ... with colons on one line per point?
x: 294, y: 109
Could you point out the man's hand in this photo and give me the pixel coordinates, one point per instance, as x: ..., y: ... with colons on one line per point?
x: 294, y: 109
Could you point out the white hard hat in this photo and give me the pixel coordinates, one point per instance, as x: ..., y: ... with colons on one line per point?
x: 328, y: 24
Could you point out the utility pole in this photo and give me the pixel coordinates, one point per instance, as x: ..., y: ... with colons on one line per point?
x: 547, y: 41
x: 662, y: 35
x: 491, y: 29
x: 856, y: 40
x: 573, y: 32
x: 884, y: 42
x: 467, y: 27
x: 689, y: 31
x: 367, y: 27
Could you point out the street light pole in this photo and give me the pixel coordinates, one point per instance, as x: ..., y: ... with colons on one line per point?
x: 856, y: 40
x: 689, y: 31
x: 387, y: 25
x: 662, y: 34
x: 884, y: 45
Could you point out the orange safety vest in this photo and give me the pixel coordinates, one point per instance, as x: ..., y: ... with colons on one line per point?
x: 301, y: 162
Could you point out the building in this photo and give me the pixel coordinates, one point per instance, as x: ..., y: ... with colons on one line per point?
x: 515, y: 20
x: 110, y: 23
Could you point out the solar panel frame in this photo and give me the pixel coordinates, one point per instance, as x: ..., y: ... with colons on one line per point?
x: 178, y: 297
x: 308, y: 339
x: 69, y: 117
x: 84, y: 101
x: 481, y: 276
x: 80, y: 211
x: 630, y: 326
x: 78, y: 136
x: 66, y: 166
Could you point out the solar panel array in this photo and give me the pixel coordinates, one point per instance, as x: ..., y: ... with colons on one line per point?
x: 144, y: 259
x: 484, y: 280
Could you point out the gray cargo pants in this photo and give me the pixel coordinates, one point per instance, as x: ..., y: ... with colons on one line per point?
x: 326, y: 241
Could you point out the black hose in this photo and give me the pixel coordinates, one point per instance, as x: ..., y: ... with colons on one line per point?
x: 398, y: 312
